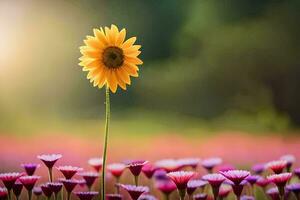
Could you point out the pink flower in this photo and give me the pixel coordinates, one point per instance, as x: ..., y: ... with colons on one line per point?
x: 280, y: 179
x: 17, y: 188
x: 96, y: 163
x: 68, y: 171
x: 277, y: 166
x: 30, y: 168
x: 136, y: 166
x: 29, y: 181
x: 273, y: 193
x: 290, y: 159
x: 215, y: 180
x: 49, y: 159
x: 86, y: 195
x: 114, y: 197
x: 135, y: 191
x: 258, y: 168
x: 46, y: 190
x: 189, y: 162
x: 225, y: 167
x: 262, y: 182
x: 236, y: 176
x: 89, y: 178
x: 37, y: 191
x: 9, y: 179
x: 169, y: 165
x: 192, y: 185
x: 224, y: 190
x: 210, y: 163
x: 116, y: 169
x: 165, y: 186
x: 69, y: 184
x: 3, y: 193
x: 147, y: 197
x: 149, y: 170
x: 201, y: 196
x: 55, y: 187
x: 181, y: 178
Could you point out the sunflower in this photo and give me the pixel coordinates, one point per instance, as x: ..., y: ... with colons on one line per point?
x: 109, y: 59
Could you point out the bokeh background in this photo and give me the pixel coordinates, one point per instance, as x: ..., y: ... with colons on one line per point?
x: 220, y: 78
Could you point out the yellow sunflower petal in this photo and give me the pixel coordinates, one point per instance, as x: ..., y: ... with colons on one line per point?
x: 133, y: 60
x: 131, y: 71
x: 103, y: 77
x: 93, y: 42
x: 100, y: 36
x: 129, y: 42
x: 121, y: 37
x: 133, y: 54
x: 121, y: 83
x: 112, y: 81
x: 114, y: 33
x: 122, y: 74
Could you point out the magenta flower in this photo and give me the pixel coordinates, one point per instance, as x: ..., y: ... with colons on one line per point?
x: 258, y: 168
x: 17, y: 189
x: 135, y: 191
x: 224, y: 191
x: 9, y: 179
x: 277, y: 166
x: 68, y: 171
x: 46, y: 190
x: 135, y: 168
x: 30, y: 168
x: 169, y: 165
x: 295, y: 188
x: 149, y: 170
x: 189, y: 162
x: 252, y: 179
x: 290, y: 159
x: 96, y: 163
x: 237, y: 188
x: 37, y: 191
x: 262, y: 182
x: 181, y: 178
x: 114, y: 197
x: 166, y: 186
x: 89, y: 178
x: 192, y: 185
x: 49, y: 160
x: 247, y: 197
x: 201, y: 196
x: 55, y: 187
x: 147, y: 197
x: 210, y: 163
x: 297, y: 172
x: 273, y: 193
x: 280, y: 181
x: 236, y: 176
x: 69, y: 185
x: 86, y: 195
x: 225, y: 167
x: 3, y: 193
x: 116, y: 169
x: 29, y: 182
x: 215, y: 180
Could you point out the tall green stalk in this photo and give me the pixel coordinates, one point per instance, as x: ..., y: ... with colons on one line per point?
x: 107, y: 117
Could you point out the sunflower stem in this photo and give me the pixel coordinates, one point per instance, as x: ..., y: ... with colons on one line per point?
x: 107, y: 117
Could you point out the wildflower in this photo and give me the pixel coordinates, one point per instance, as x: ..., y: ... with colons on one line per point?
x: 273, y: 193
x: 86, y: 195
x: 166, y: 186
x: 181, y: 178
x: 114, y: 197
x: 252, y: 179
x: 69, y: 184
x: 201, y: 196
x: 49, y: 160
x: 55, y: 187
x: 238, y: 188
x: 135, y: 168
x: 147, y: 197
x: 277, y: 166
x: 37, y: 191
x: 30, y: 168
x: 210, y: 163
x: 236, y: 176
x: 224, y: 191
x: 116, y: 169
x: 297, y: 172
x: 189, y: 162
x: 149, y: 170
x: 258, y: 168
x: 17, y: 189
x: 9, y: 179
x: 290, y: 159
x: 29, y: 182
x: 247, y: 197
x: 192, y: 185
x: 68, y: 171
x: 46, y: 190
x: 3, y: 193
x: 160, y: 174
x: 295, y: 188
x: 262, y: 182
x: 225, y: 167
x: 169, y: 165
x: 280, y: 181
x: 96, y: 163
x: 89, y: 178
x: 215, y: 180
x: 135, y: 191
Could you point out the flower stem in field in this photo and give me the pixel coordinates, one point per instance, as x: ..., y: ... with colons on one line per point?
x: 50, y: 174
x: 181, y: 193
x: 29, y: 194
x: 9, y: 194
x: 107, y: 117
x: 136, y: 180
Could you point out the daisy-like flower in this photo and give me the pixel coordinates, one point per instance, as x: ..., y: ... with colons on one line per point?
x: 295, y: 188
x: 237, y: 188
x: 86, y: 195
x: 55, y: 187
x: 68, y: 171
x: 46, y: 190
x: 189, y: 162
x: 236, y: 176
x: 29, y: 182
x: 252, y: 179
x: 9, y: 179
x: 135, y: 191
x: 273, y: 193
x: 114, y: 197
x: 277, y: 166
x: 149, y: 170
x: 247, y: 197
x: 69, y: 185
x: 181, y: 178
x: 225, y: 167
x: 37, y: 191
x: 109, y: 59
x: 258, y: 168
x: 96, y: 163
x: 201, y: 196
x: 166, y: 186
x: 290, y: 159
x: 210, y: 163
x: 89, y: 178
x: 262, y: 182
x: 17, y: 189
x: 49, y: 160
x: 297, y: 172
x: 147, y: 197
x: 3, y: 193
x: 215, y: 180
x: 169, y: 165
x: 280, y: 180
x: 192, y: 185
x: 135, y: 168
x: 116, y: 169
x: 224, y: 191
x: 30, y: 168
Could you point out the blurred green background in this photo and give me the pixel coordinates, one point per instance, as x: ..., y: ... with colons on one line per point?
x: 219, y: 64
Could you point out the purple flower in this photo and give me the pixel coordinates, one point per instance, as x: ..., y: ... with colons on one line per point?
x: 247, y: 197
x: 135, y: 191
x: 30, y: 168
x: 252, y: 179
x: 215, y: 180
x: 297, y: 172
x: 17, y: 188
x: 262, y: 182
x: 290, y: 159
x: 49, y: 159
x: 295, y: 188
x: 114, y: 197
x: 192, y: 185
x: 273, y: 193
x: 86, y: 195
x: 189, y: 162
x: 96, y: 163
x: 238, y: 188
x: 29, y: 181
x: 201, y: 196
x: 89, y: 178
x: 169, y: 165
x: 69, y: 184
x: 136, y: 166
x: 236, y: 176
x: 9, y: 179
x: 149, y: 170
x: 46, y: 190
x: 147, y: 197
x: 37, y: 191
x: 165, y: 186
x: 68, y: 171
x: 55, y: 187
x: 258, y: 168
x: 210, y: 163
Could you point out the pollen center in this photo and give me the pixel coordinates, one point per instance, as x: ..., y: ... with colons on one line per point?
x: 113, y: 57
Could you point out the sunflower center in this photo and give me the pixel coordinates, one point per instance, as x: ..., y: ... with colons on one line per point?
x: 113, y: 57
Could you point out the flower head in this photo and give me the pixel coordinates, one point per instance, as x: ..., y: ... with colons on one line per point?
x: 224, y: 190
x: 189, y: 162
x: 135, y: 191
x: 49, y: 159
x: 165, y: 186
x: 201, y: 196
x: 96, y: 163
x: 86, y: 195
x: 89, y: 177
x: 192, y: 185
x: 30, y: 168
x: 29, y: 181
x: 258, y: 168
x: 116, y: 169
x: 136, y: 166
x: 55, y: 187
x: 68, y: 171
x: 114, y: 197
x: 215, y: 180
x: 294, y: 187
x: 252, y: 179
x: 247, y: 197
x: 273, y: 193
x: 181, y: 178
x: 289, y: 158
x: 3, y: 193
x: 225, y: 167
x: 147, y: 197
x: 109, y: 59
x: 237, y: 188
x: 37, y: 191
x: 69, y: 184
x: 47, y: 191
x: 297, y: 172
x: 210, y: 163
x: 262, y: 182
x: 236, y: 176
x: 149, y: 170
x: 169, y: 165
x: 9, y: 179
x: 17, y: 188
x: 277, y: 166
x: 280, y: 179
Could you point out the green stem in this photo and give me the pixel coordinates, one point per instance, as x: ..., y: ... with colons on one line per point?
x: 62, y: 193
x: 29, y: 194
x: 50, y: 174
x: 107, y: 117
x: 136, y: 180
x: 100, y: 187
x: 181, y: 194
